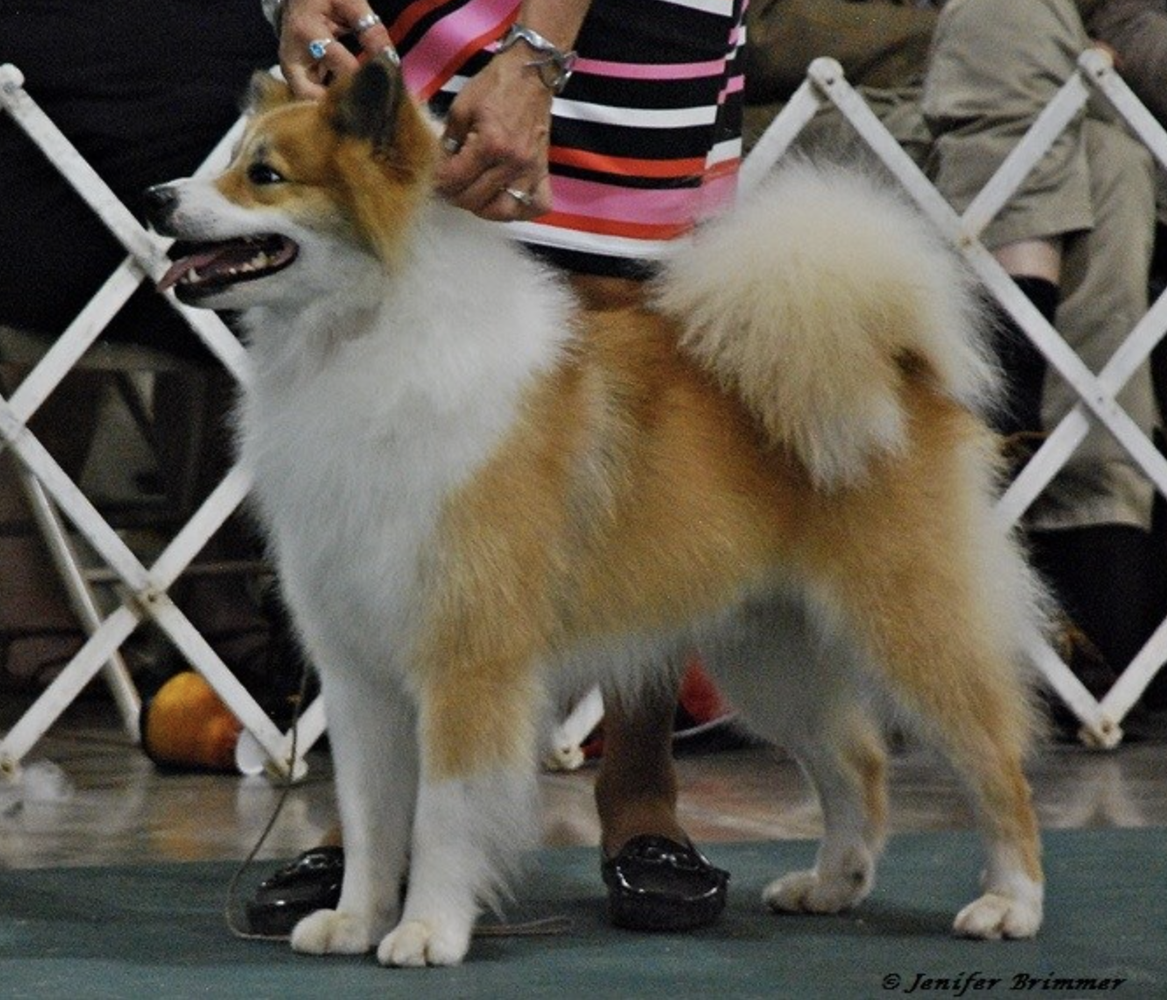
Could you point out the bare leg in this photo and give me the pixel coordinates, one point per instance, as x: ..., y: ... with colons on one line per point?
x: 636, y: 790
x: 657, y: 880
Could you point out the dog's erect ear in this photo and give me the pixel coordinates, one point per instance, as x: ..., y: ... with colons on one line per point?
x: 264, y: 93
x: 367, y: 106
x: 383, y: 150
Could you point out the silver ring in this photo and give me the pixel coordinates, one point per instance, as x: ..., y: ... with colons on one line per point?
x: 450, y: 144
x: 317, y: 47
x: 370, y: 20
x: 521, y: 197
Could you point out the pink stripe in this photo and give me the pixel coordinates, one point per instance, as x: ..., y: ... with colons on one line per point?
x: 606, y: 201
x: 429, y: 57
x: 733, y: 85
x: 651, y: 71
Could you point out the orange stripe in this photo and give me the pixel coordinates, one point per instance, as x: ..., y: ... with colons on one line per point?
x: 626, y: 166
x: 615, y: 227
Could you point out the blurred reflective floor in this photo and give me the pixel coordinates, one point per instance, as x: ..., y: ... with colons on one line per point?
x: 89, y: 797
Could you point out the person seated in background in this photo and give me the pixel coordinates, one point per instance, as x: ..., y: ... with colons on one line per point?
x: 1135, y: 33
x: 1089, y: 257
x: 144, y: 92
x: 959, y: 87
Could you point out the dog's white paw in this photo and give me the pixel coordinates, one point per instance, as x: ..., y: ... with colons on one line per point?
x: 996, y: 916
x: 419, y: 942
x: 810, y: 892
x: 330, y: 932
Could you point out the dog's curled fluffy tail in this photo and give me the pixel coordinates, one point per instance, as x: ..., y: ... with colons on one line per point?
x: 814, y: 300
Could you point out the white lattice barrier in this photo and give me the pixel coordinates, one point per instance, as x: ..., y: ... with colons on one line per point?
x: 145, y: 586
x: 825, y: 85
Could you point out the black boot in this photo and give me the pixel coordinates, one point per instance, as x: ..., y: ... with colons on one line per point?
x: 1022, y: 365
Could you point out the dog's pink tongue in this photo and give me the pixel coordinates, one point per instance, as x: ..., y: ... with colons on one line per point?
x: 180, y: 267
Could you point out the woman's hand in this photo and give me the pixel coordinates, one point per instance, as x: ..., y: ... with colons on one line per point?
x: 496, y: 140
x: 498, y: 130
x: 305, y: 22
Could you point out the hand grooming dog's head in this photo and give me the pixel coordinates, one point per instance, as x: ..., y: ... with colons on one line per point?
x: 316, y: 196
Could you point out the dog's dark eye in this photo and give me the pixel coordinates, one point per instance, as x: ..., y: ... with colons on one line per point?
x: 261, y: 173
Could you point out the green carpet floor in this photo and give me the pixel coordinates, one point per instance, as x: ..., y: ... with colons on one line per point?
x: 129, y: 932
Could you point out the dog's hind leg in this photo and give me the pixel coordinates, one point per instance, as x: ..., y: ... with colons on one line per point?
x: 1012, y: 903
x: 988, y: 757
x: 845, y: 762
x: 372, y: 734
x: 944, y: 624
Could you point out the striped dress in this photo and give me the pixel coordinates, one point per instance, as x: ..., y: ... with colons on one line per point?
x: 645, y: 138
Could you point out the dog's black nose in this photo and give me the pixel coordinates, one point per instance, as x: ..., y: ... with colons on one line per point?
x: 160, y: 201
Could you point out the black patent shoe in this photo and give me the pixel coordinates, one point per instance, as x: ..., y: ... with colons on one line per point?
x: 310, y: 883
x: 656, y: 884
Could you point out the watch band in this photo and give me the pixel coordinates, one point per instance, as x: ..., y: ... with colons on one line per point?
x: 554, y: 65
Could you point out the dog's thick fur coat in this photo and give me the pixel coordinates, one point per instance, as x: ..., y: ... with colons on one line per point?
x: 480, y: 496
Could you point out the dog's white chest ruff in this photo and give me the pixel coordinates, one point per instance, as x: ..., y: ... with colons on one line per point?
x: 357, y: 436
x: 350, y: 505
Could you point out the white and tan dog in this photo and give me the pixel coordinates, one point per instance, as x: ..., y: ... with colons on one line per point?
x: 479, y: 496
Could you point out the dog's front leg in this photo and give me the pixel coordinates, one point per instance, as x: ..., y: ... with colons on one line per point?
x: 371, y: 727
x: 475, y: 813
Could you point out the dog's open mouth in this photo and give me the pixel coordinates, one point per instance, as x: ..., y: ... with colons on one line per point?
x: 205, y: 268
